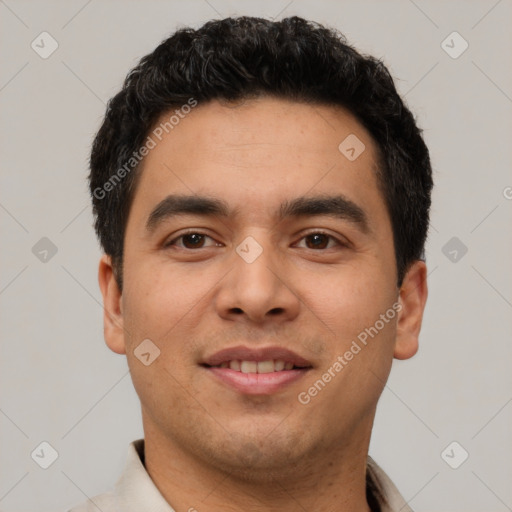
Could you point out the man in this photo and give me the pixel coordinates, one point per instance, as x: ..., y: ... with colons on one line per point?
x: 262, y: 197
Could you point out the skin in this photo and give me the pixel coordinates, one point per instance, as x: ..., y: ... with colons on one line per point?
x: 212, y: 448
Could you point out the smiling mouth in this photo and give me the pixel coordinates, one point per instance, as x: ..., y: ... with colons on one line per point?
x: 270, y: 366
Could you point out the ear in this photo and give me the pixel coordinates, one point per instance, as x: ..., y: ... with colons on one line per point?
x: 113, y: 326
x: 413, y: 296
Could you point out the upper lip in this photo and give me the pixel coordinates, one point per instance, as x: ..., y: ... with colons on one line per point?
x: 242, y: 353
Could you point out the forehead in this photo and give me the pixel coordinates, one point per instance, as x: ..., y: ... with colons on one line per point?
x: 257, y: 154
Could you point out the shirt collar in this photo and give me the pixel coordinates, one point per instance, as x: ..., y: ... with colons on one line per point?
x: 135, y: 491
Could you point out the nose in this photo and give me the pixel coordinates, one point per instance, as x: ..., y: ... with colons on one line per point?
x: 258, y: 290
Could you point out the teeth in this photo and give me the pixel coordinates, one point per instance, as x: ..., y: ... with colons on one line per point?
x: 248, y: 366
x: 234, y: 365
x: 269, y: 366
x: 266, y: 366
x: 278, y: 365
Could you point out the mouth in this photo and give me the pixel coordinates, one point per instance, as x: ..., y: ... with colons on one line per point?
x: 270, y: 366
x: 257, y: 371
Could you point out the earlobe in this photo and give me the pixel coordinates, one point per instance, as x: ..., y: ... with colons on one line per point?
x: 113, y: 322
x: 413, y: 297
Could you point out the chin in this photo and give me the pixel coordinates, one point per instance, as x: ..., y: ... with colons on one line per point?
x: 257, y: 456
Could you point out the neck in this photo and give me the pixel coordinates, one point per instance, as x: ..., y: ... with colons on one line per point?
x: 332, y: 479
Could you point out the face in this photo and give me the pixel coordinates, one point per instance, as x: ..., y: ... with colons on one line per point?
x: 285, y: 257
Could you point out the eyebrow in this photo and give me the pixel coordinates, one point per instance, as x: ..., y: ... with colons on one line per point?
x: 337, y: 206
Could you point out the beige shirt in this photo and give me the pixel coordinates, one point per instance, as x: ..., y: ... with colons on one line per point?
x: 136, y: 492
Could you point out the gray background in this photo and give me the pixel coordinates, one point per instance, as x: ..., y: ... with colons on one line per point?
x: 61, y: 384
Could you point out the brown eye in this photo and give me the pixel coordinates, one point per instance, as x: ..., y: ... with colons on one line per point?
x: 192, y: 240
x: 319, y: 241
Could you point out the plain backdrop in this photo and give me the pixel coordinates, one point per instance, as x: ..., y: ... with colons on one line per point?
x: 59, y: 382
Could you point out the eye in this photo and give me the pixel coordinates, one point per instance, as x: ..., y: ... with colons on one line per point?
x: 190, y: 240
x: 319, y: 240
x: 316, y: 240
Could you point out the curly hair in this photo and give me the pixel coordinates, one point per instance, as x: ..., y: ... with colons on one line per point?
x: 245, y: 57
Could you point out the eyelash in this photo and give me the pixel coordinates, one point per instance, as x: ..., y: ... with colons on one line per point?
x: 194, y: 232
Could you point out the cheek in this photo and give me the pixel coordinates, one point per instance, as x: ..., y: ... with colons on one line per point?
x: 160, y: 390
x: 349, y: 300
x: 162, y: 304
x: 159, y: 297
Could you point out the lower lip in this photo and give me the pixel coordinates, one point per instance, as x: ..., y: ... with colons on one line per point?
x: 257, y: 383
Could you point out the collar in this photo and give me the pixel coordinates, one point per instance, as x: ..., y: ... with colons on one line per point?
x: 135, y: 491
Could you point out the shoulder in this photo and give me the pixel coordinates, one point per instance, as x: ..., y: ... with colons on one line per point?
x: 104, y: 502
x: 109, y: 501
